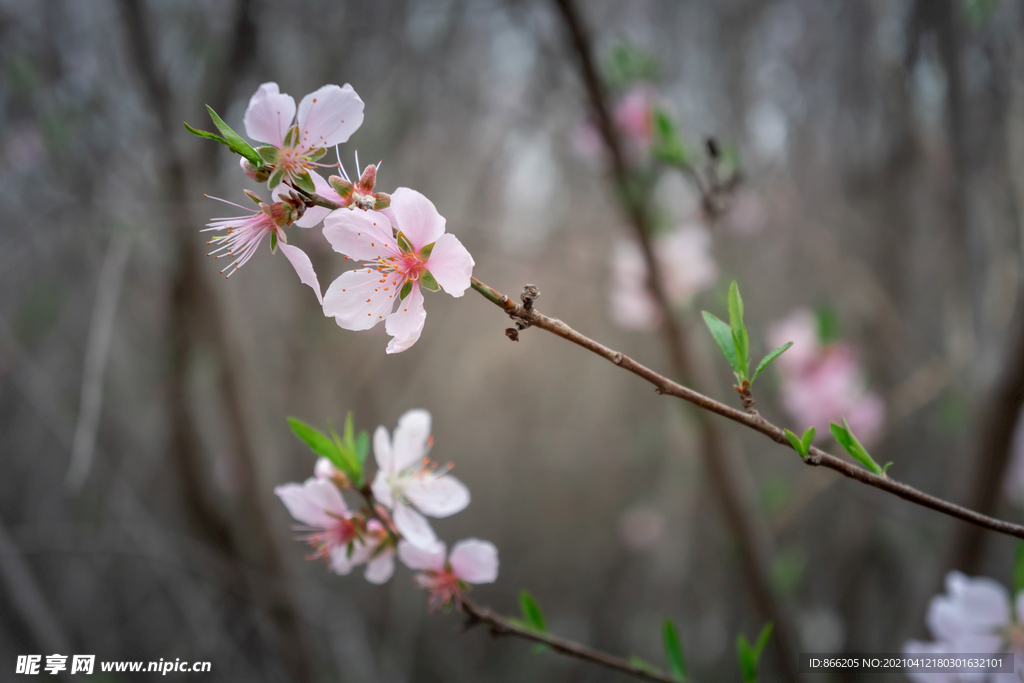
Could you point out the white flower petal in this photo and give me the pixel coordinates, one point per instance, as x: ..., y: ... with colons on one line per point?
x: 382, y: 450
x: 437, y: 496
x: 269, y: 115
x: 382, y: 490
x: 380, y: 569
x: 303, y: 267
x: 411, y: 436
x: 413, y: 526
x: 340, y: 562
x: 429, y: 557
x: 406, y: 324
x: 315, y: 214
x: 417, y: 217
x: 359, y: 299
x: 311, y: 501
x: 328, y: 116
x: 360, y: 235
x: 451, y: 265
x: 475, y: 561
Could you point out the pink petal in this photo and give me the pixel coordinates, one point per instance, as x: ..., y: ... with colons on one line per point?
x: 381, y: 488
x: 324, y: 469
x: 406, y: 323
x: 437, y: 496
x: 381, y: 568
x: 411, y: 436
x: 269, y: 115
x: 303, y: 266
x: 429, y: 557
x: 311, y: 501
x: 475, y: 561
x: 413, y: 526
x: 358, y: 299
x: 340, y: 562
x: 972, y: 607
x: 451, y: 265
x: 328, y: 116
x: 360, y: 235
x: 417, y: 217
x: 382, y: 450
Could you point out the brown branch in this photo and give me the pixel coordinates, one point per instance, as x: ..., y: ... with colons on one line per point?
x: 718, y: 461
x: 665, y: 386
x: 500, y: 626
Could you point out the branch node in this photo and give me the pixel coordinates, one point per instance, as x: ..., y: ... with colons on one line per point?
x: 530, y: 294
x: 512, y: 333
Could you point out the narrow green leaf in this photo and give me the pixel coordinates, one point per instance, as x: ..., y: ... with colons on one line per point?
x: 723, y: 335
x: 748, y: 664
x: 673, y: 650
x: 234, y: 140
x: 798, y: 445
x: 362, y: 447
x: 428, y: 281
x: 767, y: 360
x: 531, y: 611
x: 886, y: 466
x: 739, y: 330
x: 642, y: 665
x: 316, y: 440
x: 847, y: 440
x: 1018, y: 568
x: 204, y: 134
x: 762, y: 640
x: 808, y: 438
x: 349, y: 431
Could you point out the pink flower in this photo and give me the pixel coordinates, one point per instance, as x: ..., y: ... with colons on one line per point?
x: 330, y: 528
x: 325, y: 118
x: 823, y: 384
x: 633, y: 116
x: 974, y: 616
x: 409, y: 484
x: 342, y: 191
x: 377, y: 551
x: 396, y: 265
x: 245, y: 233
x: 687, y: 267
x: 471, y: 561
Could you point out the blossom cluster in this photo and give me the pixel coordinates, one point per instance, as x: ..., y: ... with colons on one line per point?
x: 398, y: 239
x: 407, y: 488
x: 974, y: 616
x: 820, y: 382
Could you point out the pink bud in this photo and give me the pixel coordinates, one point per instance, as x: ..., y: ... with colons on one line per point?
x: 368, y: 179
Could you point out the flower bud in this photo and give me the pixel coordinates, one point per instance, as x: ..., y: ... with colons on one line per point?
x: 382, y: 200
x: 343, y: 187
x: 368, y: 179
x: 260, y: 175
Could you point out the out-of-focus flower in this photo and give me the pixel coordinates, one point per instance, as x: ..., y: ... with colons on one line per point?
x: 409, y: 484
x: 330, y: 528
x: 641, y: 527
x: 245, y: 233
x: 379, y: 553
x: 325, y: 118
x: 821, y: 384
x: 633, y: 117
x: 472, y: 561
x: 687, y: 267
x: 421, y: 254
x: 974, y: 616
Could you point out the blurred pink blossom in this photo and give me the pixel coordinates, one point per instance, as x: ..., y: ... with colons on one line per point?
x: 823, y: 384
x: 973, y: 616
x: 328, y: 525
x: 471, y: 561
x: 687, y: 267
x: 632, y: 115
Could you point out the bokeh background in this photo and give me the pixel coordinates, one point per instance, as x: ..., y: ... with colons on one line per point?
x: 882, y: 146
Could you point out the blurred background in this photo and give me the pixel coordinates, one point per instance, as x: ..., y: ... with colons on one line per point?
x: 143, y: 397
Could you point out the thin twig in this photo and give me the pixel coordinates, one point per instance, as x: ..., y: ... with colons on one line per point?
x: 816, y: 456
x: 500, y: 626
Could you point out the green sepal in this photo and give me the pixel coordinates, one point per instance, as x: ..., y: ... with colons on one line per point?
x: 767, y: 360
x: 428, y: 281
x: 427, y: 250
x: 275, y: 179
x: 723, y: 335
x: 406, y: 288
x: 304, y: 182
x: 749, y: 655
x: 289, y: 137
x: 316, y: 154
x: 673, y: 650
x: 234, y: 140
x: 273, y: 243
x: 739, y: 330
x: 403, y: 243
x: 847, y: 440
x: 271, y: 155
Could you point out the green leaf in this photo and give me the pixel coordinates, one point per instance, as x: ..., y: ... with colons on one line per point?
x: 531, y: 612
x: 234, y: 140
x: 673, y: 650
x: 204, y: 134
x: 642, y: 665
x: 723, y: 335
x: 362, y: 447
x: 428, y: 281
x: 406, y: 288
x: 304, y: 182
x: 315, y: 439
x: 427, y: 250
x: 739, y: 330
x: 767, y: 360
x: 273, y: 243
x: 847, y: 440
x: 665, y: 143
x: 808, y: 438
x: 1018, y: 568
x: 750, y: 656
x: 762, y: 640
x: 349, y: 431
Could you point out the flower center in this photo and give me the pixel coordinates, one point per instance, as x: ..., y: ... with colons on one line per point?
x: 407, y: 264
x: 444, y: 587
